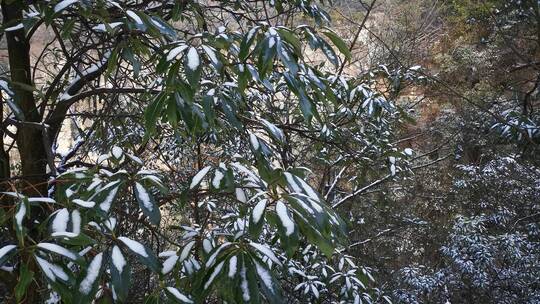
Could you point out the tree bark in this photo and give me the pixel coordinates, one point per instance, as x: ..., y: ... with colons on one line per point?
x: 29, y: 138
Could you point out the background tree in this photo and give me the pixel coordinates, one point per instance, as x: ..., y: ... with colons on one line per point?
x: 189, y: 177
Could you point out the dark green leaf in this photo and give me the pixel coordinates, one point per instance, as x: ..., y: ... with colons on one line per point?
x: 339, y: 43
x: 147, y: 203
x: 25, y: 278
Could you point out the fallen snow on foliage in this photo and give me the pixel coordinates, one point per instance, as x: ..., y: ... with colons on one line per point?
x: 103, y: 28
x: 173, y: 53
x: 244, y: 284
x: 91, y: 274
x: 52, y: 271
x: 63, y: 5
x: 4, y: 250
x: 83, y: 203
x: 118, y: 259
x: 175, y: 292
x: 193, y: 60
x: 117, y: 152
x: 14, y: 28
x: 198, y: 177
x: 266, y: 251
x: 169, y: 263
x: 264, y: 275
x: 214, y: 274
x: 144, y: 197
x: 258, y: 210
x: 232, y: 266
x: 281, y: 211
x: 106, y: 204
x: 60, y: 221
x: 20, y: 215
x: 57, y: 249
x: 135, y: 246
x: 134, y: 16
x: 41, y: 200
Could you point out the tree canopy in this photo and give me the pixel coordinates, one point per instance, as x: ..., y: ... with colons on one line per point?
x: 251, y: 151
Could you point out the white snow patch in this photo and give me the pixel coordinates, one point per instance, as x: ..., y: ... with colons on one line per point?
x: 258, y: 211
x: 175, y: 292
x: 173, y: 53
x: 193, y: 60
x: 57, y: 249
x: 60, y: 221
x: 264, y: 275
x: 20, y: 215
x: 117, y: 152
x: 14, y: 28
x: 207, y: 245
x: 214, y: 275
x: 63, y: 4
x: 103, y: 28
x: 52, y: 271
x: 217, y: 179
x: 244, y: 284
x: 118, y: 259
x: 281, y: 211
x: 64, y: 234
x: 198, y: 177
x: 213, y: 257
x: 187, y: 249
x: 211, y: 54
x: 276, y: 132
x: 144, y: 197
x: 76, y: 221
x: 41, y: 200
x: 83, y: 203
x: 91, y: 274
x: 240, y: 195
x: 4, y: 250
x: 266, y: 251
x: 169, y: 263
x: 166, y: 254
x: 232, y: 266
x: 134, y: 16
x: 135, y: 246
x: 106, y: 204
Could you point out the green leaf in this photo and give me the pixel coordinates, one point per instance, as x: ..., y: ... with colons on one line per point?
x: 266, y: 55
x: 147, y: 203
x: 163, y: 27
x: 287, y: 58
x: 143, y: 253
x: 329, y: 52
x: 248, y: 290
x: 20, y: 214
x: 246, y: 43
x: 193, y: 67
x: 292, y: 39
x: 268, y: 283
x: 176, y: 296
x: 24, y: 280
x: 6, y: 252
x: 153, y: 112
x: 79, y: 240
x: 106, y: 196
x: 287, y: 229
x: 120, y: 273
x: 88, y: 282
x: 256, y: 220
x: 339, y: 43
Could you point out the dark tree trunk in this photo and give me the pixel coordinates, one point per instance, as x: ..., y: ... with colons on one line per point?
x: 29, y: 137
